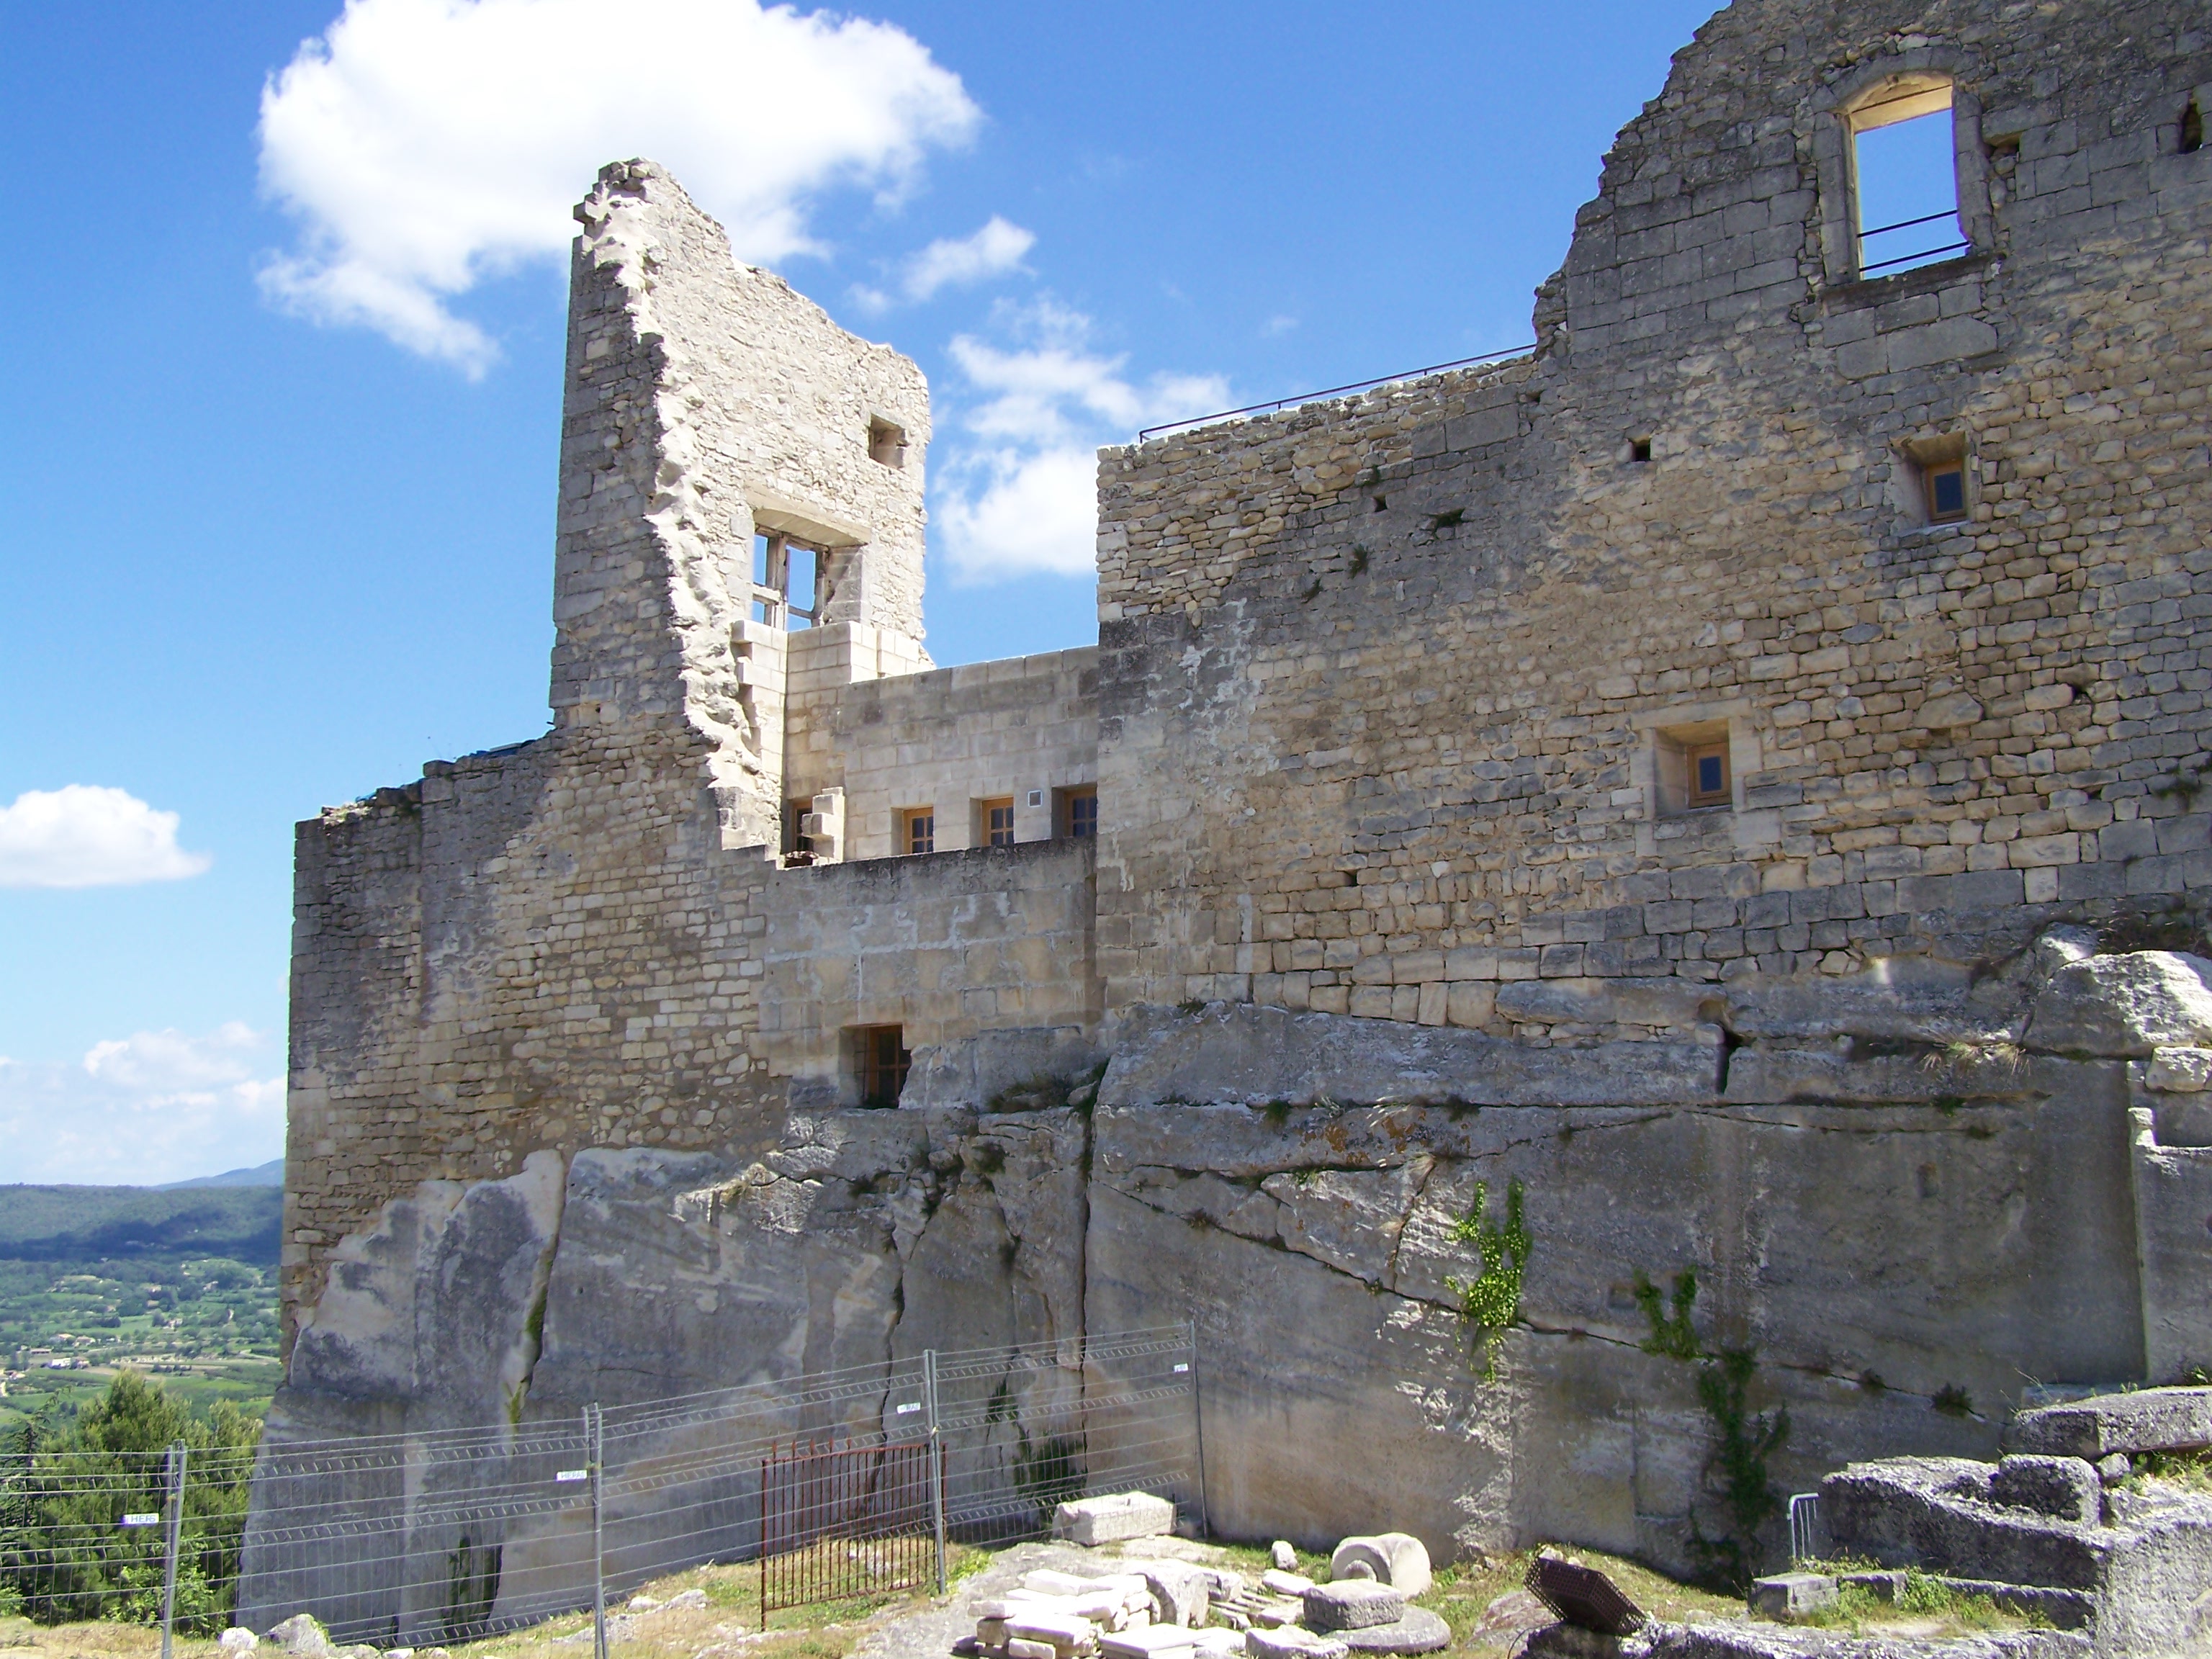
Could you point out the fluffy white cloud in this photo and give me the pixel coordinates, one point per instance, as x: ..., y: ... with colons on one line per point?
x: 955, y: 262
x: 1017, y: 493
x: 425, y: 144
x: 153, y: 1107
x: 81, y: 836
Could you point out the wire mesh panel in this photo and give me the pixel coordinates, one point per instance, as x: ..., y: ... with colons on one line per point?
x: 841, y: 1483
x: 839, y: 1521
x: 1026, y: 1428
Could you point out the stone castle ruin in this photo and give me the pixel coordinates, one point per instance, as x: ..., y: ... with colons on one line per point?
x: 1687, y: 843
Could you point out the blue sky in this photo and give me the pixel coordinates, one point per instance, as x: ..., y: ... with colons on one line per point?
x: 277, y: 463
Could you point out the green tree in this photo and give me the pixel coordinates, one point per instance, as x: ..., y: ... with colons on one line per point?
x: 65, y: 1487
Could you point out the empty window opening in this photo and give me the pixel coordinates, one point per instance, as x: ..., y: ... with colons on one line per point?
x: 798, y: 845
x: 1639, y: 450
x: 918, y: 829
x: 884, y: 1063
x: 1904, y: 173
x: 1078, y: 811
x: 886, y: 443
x: 2192, y: 127
x: 994, y: 821
x: 785, y: 573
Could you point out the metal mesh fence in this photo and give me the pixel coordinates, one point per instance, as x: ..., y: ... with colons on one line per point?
x: 841, y: 1483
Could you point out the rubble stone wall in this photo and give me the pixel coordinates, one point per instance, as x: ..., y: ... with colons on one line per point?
x: 1415, y: 658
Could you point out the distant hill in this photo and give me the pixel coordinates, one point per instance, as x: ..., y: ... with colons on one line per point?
x: 271, y: 1174
x: 92, y: 1223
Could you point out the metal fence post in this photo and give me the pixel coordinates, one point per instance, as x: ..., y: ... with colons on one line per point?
x: 595, y: 1447
x: 173, y: 1470
x: 1198, y: 1429
x: 936, y: 1459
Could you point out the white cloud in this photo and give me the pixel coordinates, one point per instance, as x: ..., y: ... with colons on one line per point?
x: 424, y: 145
x: 1018, y: 494
x: 1034, y: 513
x: 955, y: 262
x: 153, y: 1107
x: 81, y: 836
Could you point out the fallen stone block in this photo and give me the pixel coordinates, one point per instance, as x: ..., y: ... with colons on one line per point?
x: 1282, y: 1557
x: 1153, y: 1642
x: 1417, y: 1631
x: 1045, y: 1582
x: 1515, y: 1610
x: 237, y: 1641
x: 1289, y: 1642
x: 1061, y: 1630
x: 1093, y: 1521
x: 1788, y: 1595
x: 302, y: 1636
x: 1285, y: 1583
x: 1023, y: 1647
x: 1183, y: 1593
x: 1396, y: 1559
x: 2147, y: 1419
x: 1352, y: 1604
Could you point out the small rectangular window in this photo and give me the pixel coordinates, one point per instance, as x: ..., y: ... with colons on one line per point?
x: 798, y: 845
x: 886, y: 443
x: 918, y: 829
x: 1708, y: 774
x: 994, y: 821
x: 1078, y: 811
x: 883, y: 1064
x: 1947, y: 491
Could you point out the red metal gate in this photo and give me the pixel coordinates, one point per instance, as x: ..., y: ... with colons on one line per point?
x: 839, y: 1521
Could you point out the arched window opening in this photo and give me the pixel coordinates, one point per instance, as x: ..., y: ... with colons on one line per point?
x: 1904, y: 176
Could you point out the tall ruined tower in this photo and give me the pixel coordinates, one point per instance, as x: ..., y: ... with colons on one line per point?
x: 717, y: 428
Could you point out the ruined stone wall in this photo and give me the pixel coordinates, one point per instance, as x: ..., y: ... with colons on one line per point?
x: 558, y: 945
x: 1021, y: 727
x: 1414, y: 655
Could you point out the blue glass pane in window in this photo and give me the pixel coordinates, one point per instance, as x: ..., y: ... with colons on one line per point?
x: 1709, y: 775
x: 1950, y: 493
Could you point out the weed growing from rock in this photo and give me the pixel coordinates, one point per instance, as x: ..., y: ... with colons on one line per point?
x: 1490, y: 1304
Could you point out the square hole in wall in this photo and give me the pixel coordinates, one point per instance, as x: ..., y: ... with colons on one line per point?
x: 880, y: 1062
x: 1694, y: 766
x: 1075, y: 811
x: 886, y: 443
x: 1940, y: 476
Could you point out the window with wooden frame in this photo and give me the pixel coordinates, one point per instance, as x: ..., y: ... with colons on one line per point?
x: 918, y: 829
x: 994, y: 822
x: 1694, y: 766
x: 1077, y: 811
x: 785, y: 573
x: 1938, y: 464
x: 1945, y: 483
x: 883, y: 1063
x: 1708, y: 774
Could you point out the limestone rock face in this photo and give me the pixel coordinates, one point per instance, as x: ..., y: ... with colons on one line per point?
x: 2125, y: 1006
x: 434, y: 1306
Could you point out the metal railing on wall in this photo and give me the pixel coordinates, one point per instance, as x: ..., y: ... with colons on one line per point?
x: 838, y: 1483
